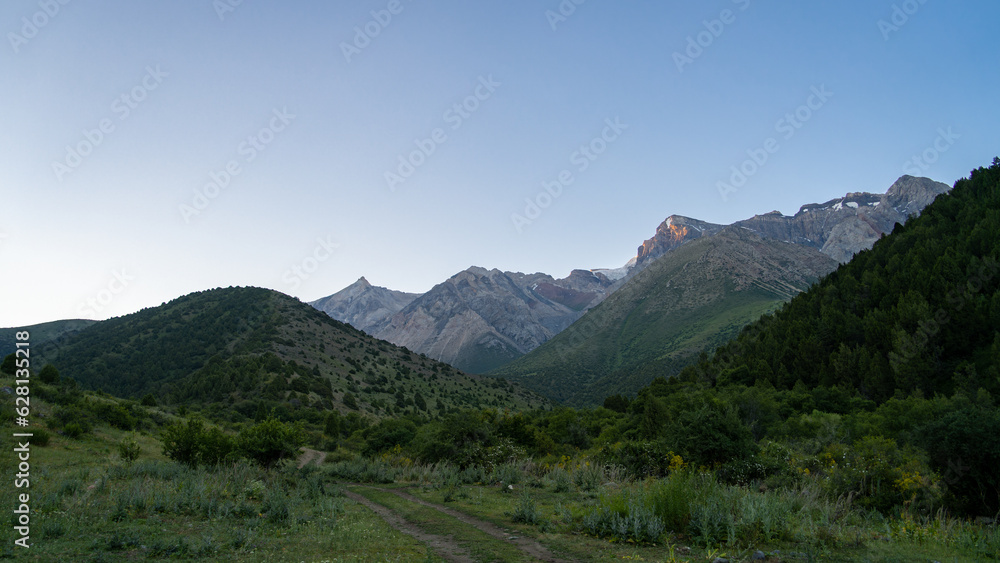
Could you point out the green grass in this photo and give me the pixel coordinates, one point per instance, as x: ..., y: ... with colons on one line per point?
x: 87, y: 505
x: 480, y: 545
x: 90, y: 505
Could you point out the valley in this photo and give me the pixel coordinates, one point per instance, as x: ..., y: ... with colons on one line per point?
x: 805, y: 411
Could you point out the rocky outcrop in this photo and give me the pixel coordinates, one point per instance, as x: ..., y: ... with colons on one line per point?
x: 842, y: 227
x: 673, y: 232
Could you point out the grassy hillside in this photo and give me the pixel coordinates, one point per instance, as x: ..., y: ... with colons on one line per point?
x: 250, y: 349
x: 688, y: 301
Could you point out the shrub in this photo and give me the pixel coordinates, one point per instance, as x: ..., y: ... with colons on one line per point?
x: 216, y: 447
x: 128, y: 449
x: 711, y: 435
x: 878, y: 473
x: 182, y: 442
x: 74, y: 430
x: 642, y: 459
x: 525, y: 511
x: 561, y: 480
x: 269, y: 441
x: 671, y: 499
x: 49, y: 374
x: 625, y: 517
x: 41, y: 437
x: 387, y: 434
x: 963, y: 447
x: 116, y: 415
x: 587, y: 476
x: 508, y: 474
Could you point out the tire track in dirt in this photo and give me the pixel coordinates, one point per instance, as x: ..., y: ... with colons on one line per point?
x: 444, y: 546
x: 527, y: 545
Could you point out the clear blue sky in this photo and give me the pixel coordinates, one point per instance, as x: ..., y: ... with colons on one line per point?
x: 309, y: 116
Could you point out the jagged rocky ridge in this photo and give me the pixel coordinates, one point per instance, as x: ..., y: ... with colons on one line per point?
x: 839, y: 228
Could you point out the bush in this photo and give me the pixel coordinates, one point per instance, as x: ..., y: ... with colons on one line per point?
x: 182, y: 442
x: 642, y: 459
x: 387, y: 434
x: 525, y: 511
x: 963, y: 447
x: 74, y: 420
x: 49, y: 374
x: 74, y: 430
x: 269, y: 441
x: 561, y: 480
x: 588, y: 477
x: 508, y: 474
x: 625, y: 517
x: 128, y: 449
x: 41, y: 437
x: 116, y: 415
x: 878, y: 473
x: 711, y: 435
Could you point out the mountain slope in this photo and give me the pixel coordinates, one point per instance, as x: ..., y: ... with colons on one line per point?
x: 919, y: 311
x: 480, y: 319
x: 241, y: 346
x: 690, y: 299
x: 44, y: 336
x: 363, y: 305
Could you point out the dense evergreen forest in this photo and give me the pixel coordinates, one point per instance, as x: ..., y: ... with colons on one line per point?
x: 919, y: 312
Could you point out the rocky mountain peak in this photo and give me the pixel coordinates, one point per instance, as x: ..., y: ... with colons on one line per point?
x: 362, y: 304
x: 673, y: 232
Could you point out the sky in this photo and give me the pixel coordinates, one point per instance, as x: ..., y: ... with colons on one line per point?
x: 153, y: 149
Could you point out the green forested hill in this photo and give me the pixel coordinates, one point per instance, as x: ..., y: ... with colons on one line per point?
x: 688, y: 301
x: 244, y: 346
x: 43, y: 336
x: 919, y: 311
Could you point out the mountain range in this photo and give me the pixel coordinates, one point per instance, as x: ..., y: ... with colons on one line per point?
x: 691, y: 299
x: 480, y: 320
